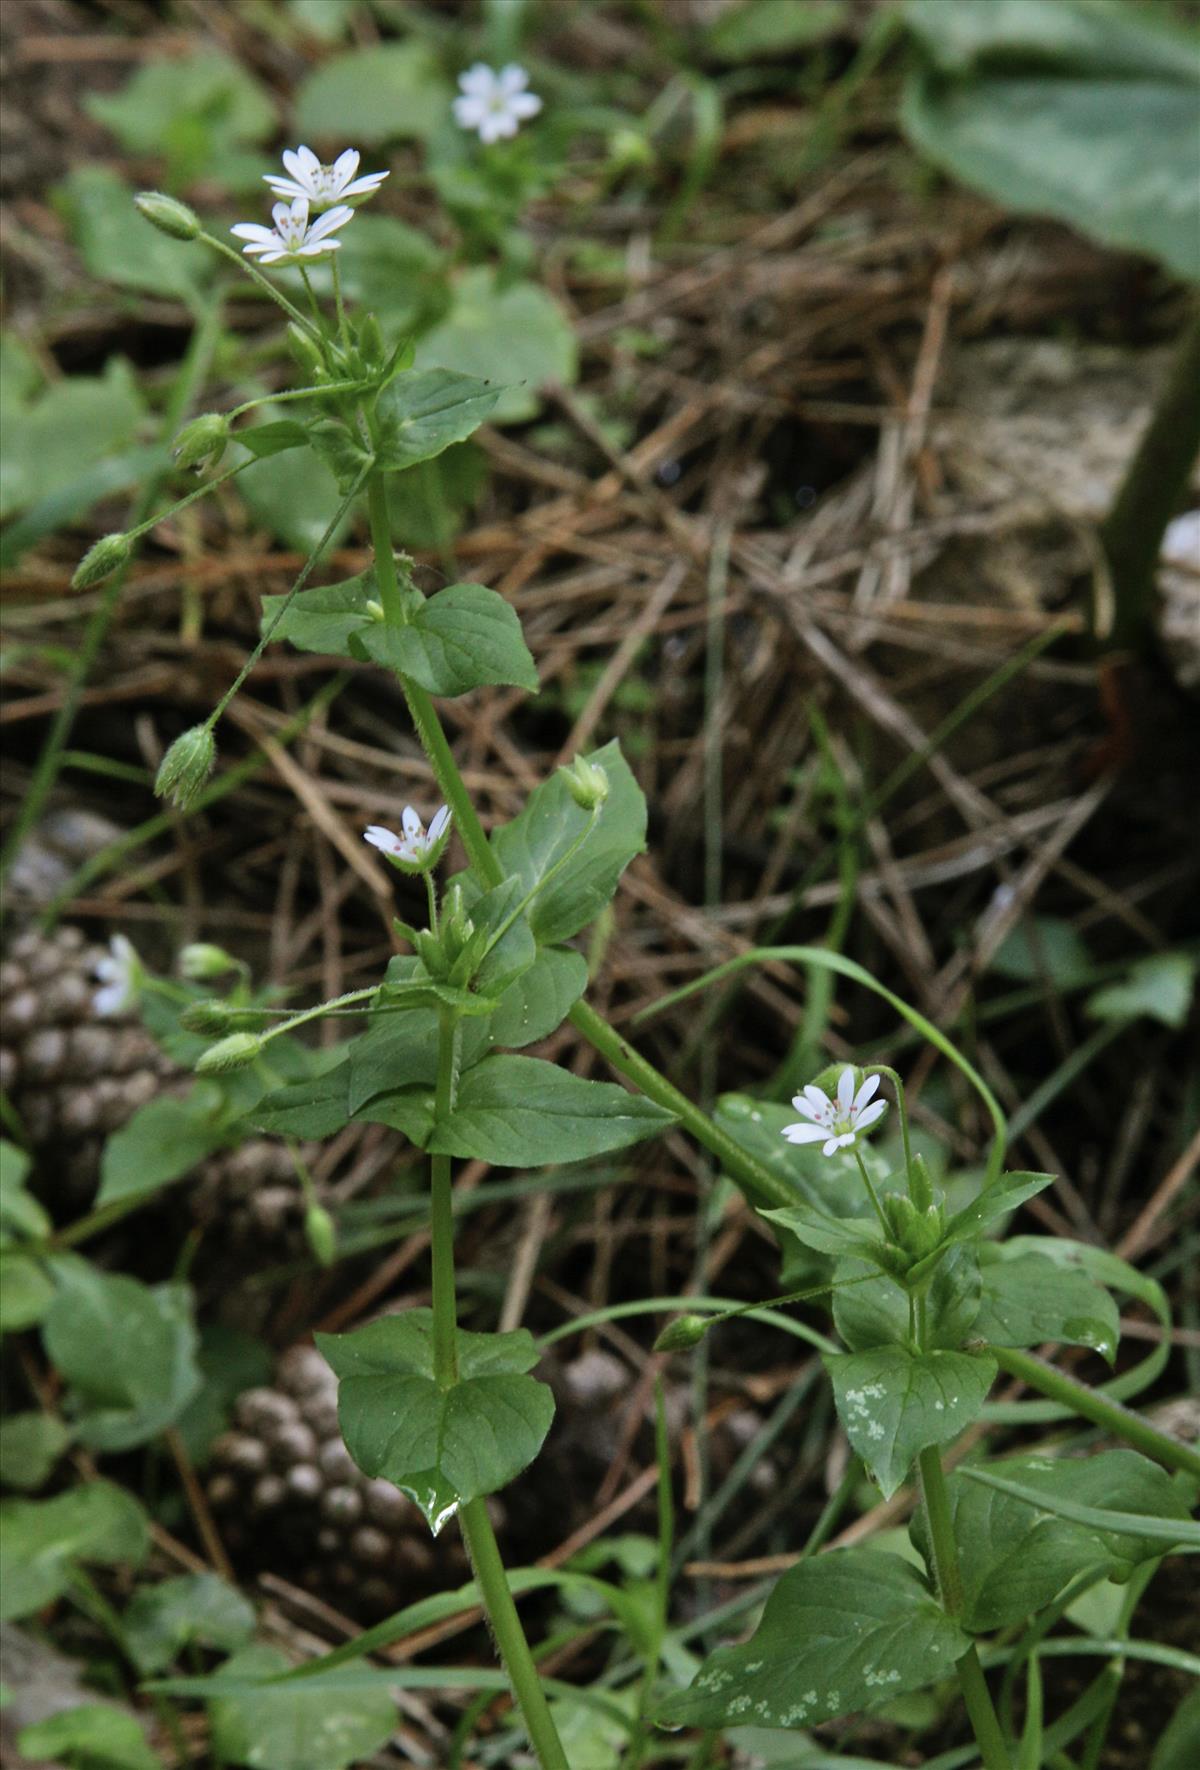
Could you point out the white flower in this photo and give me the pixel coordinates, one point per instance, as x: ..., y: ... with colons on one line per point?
x: 495, y: 104
x: 418, y: 848
x: 292, y: 237
x: 120, y: 971
x: 835, y: 1124
x: 323, y: 185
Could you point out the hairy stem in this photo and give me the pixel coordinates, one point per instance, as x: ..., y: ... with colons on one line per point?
x: 473, y: 1517
x: 1089, y: 1405
x: 976, y: 1695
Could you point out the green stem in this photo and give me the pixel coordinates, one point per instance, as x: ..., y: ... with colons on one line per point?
x: 976, y: 1695
x: 1090, y: 1405
x: 343, y: 328
x: 386, y: 580
x: 874, y: 1196
x: 473, y: 1517
x: 513, y: 1648
x: 445, y: 1329
x: 1154, y: 482
x: 252, y: 271
x: 192, y: 372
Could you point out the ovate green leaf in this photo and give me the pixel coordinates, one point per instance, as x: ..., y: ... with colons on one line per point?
x: 40, y: 1540
x: 441, y: 1446
x: 295, y: 1726
x: 520, y: 1112
x: 841, y: 1632
x: 894, y: 1403
x: 422, y: 412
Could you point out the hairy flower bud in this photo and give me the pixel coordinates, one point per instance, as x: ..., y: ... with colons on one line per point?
x: 186, y: 766
x: 202, y: 442
x: 586, y: 782
x: 168, y: 215
x: 235, y: 1052
x: 305, y: 352
x: 201, y: 960
x: 109, y: 552
x: 320, y: 1234
x: 682, y: 1334
x: 211, y: 1018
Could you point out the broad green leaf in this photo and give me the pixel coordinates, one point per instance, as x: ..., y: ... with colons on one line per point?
x: 422, y: 412
x: 837, y: 1236
x: 30, y: 1445
x: 515, y: 949
x: 323, y: 619
x: 1159, y: 987
x: 996, y: 1200
x: 840, y: 1633
x: 206, y: 85
x: 94, y: 1736
x: 549, y: 826
x: 519, y: 1112
x: 314, y: 1108
x: 1163, y: 1533
x: 393, y: 271
x: 162, y: 1620
x: 120, y: 246
x: 1070, y: 108
x: 389, y: 92
x: 752, y: 29
x: 894, y: 1403
x: 429, y: 503
x: 462, y: 638
x: 441, y: 1446
x: 1027, y: 1299
x: 875, y: 1312
x: 509, y: 332
x: 272, y: 438
x: 121, y: 1401
x: 539, y: 1001
x: 1016, y: 1556
x: 294, y: 500
x: 20, y: 1213
x: 40, y: 1540
x: 78, y: 422
x: 398, y: 1050
x: 291, y: 1726
x: 164, y: 1139
x: 1044, y: 949
x: 26, y: 1290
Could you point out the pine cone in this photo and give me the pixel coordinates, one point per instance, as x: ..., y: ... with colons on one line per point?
x: 72, y: 1076
x: 251, y: 1201
x: 288, y: 1496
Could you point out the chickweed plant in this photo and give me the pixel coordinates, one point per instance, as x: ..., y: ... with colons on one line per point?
x: 928, y: 1306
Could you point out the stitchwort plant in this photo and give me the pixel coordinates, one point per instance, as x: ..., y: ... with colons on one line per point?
x: 928, y: 1306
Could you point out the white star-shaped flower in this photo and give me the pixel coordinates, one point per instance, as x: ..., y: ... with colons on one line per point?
x: 292, y: 237
x: 494, y: 104
x: 323, y: 185
x: 418, y: 848
x: 120, y: 972
x: 838, y: 1123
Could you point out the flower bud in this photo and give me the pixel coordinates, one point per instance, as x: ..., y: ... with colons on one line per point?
x: 235, y: 1052
x: 201, y: 960
x: 370, y: 342
x: 202, y: 442
x: 305, y: 352
x: 586, y: 782
x: 186, y: 766
x: 682, y: 1334
x: 320, y: 1234
x: 168, y: 215
x: 109, y: 552
x: 210, y: 1018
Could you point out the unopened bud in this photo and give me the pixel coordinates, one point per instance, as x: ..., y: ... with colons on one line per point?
x: 202, y: 442
x: 210, y: 1018
x: 320, y: 1234
x: 109, y: 552
x: 586, y: 782
x: 682, y: 1334
x: 235, y: 1052
x: 168, y: 215
x: 370, y: 342
x: 305, y: 352
x: 201, y: 960
x: 186, y: 766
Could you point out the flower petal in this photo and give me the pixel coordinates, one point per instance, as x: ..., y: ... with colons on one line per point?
x: 869, y: 1088
x: 477, y: 79
x: 307, y: 159
x: 817, y: 1098
x: 332, y: 218
x: 804, y: 1133
x: 512, y: 79
x: 438, y: 822
x: 868, y: 1117
x: 254, y: 230
x: 385, y: 840
x: 345, y: 166
x: 411, y: 821
x: 845, y: 1090
x: 283, y: 187
x: 524, y: 104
